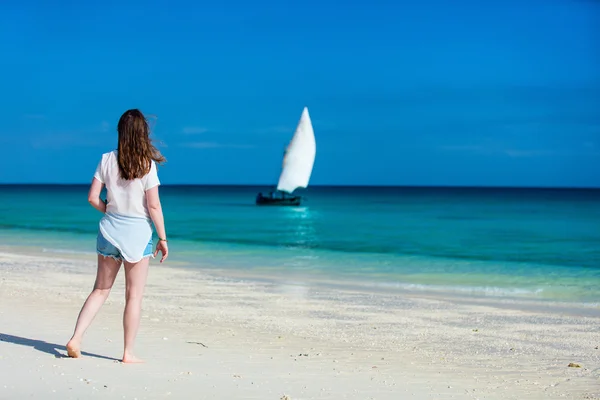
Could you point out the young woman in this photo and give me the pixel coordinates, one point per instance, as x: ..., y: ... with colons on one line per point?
x: 125, y: 234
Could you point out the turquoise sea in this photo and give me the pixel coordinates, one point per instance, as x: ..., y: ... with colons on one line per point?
x: 526, y: 243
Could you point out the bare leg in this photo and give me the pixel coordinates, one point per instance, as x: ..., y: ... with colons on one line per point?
x: 108, y: 268
x: 135, y: 281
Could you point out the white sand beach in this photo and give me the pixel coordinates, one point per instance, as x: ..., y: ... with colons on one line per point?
x: 206, y: 336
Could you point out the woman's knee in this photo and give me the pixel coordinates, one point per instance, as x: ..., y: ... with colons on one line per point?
x: 104, y: 292
x: 133, y: 295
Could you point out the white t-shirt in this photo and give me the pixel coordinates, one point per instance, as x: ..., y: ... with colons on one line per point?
x: 125, y: 197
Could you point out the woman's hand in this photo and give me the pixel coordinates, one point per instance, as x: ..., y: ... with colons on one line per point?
x: 163, y: 248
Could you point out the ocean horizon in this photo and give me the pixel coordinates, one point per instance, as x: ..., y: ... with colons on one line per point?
x: 263, y: 186
x: 537, y: 243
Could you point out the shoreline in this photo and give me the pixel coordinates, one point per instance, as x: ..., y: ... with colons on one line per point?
x: 358, y: 344
x: 520, y: 297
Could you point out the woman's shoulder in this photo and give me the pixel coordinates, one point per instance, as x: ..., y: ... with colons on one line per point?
x: 109, y: 155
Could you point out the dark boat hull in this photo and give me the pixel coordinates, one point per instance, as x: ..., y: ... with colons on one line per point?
x: 278, y: 200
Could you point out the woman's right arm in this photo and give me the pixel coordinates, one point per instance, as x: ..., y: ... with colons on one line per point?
x: 156, y: 213
x: 94, y: 196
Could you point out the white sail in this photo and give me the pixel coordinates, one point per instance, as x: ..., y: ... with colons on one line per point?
x: 299, y: 157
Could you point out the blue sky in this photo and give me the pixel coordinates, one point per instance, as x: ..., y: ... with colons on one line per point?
x: 403, y: 93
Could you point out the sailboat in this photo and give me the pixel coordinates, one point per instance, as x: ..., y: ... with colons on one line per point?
x: 298, y: 161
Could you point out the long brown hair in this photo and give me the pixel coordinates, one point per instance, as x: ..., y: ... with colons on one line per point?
x: 136, y: 151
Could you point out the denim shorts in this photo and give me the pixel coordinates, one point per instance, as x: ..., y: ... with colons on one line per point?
x: 106, y: 249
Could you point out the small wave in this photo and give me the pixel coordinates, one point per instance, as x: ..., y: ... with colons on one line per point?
x: 485, y: 290
x: 591, y: 305
x: 64, y: 251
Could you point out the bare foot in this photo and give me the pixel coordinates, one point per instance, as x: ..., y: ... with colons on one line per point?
x: 131, y: 359
x: 73, y: 349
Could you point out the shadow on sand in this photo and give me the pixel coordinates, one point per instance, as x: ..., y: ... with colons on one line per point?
x: 45, y: 347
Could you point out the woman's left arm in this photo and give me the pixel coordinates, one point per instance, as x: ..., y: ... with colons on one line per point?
x: 94, y: 196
